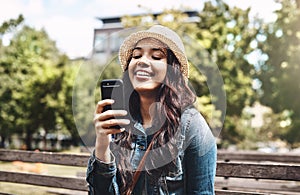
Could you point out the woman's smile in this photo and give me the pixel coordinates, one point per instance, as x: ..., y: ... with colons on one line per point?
x: 143, y: 75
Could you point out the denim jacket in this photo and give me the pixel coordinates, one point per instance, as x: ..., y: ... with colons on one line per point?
x: 191, y: 171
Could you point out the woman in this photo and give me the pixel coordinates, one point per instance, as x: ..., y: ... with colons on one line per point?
x: 165, y: 145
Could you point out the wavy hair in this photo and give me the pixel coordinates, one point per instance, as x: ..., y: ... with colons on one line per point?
x: 174, y: 96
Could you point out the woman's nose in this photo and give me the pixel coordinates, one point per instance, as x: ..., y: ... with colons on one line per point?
x: 144, y: 61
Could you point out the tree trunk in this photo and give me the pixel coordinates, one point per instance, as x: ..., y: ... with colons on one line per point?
x: 2, y: 143
x: 45, y: 140
x: 28, y: 140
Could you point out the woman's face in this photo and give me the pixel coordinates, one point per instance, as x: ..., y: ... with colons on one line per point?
x: 148, y: 66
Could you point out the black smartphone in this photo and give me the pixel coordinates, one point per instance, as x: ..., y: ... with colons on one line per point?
x: 113, y: 89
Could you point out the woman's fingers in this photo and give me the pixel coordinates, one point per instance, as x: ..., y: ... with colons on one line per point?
x: 107, y: 131
x: 110, y: 126
x: 109, y: 114
x: 107, y: 122
x: 101, y: 104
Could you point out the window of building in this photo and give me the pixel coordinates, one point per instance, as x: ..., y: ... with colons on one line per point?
x: 101, y: 42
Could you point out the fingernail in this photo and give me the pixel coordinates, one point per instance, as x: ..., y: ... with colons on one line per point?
x: 122, y: 129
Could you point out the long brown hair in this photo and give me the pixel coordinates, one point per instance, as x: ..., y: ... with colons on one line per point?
x: 174, y: 96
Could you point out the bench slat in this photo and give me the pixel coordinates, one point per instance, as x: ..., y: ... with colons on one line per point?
x: 260, y: 185
x: 258, y: 156
x: 259, y: 171
x: 44, y: 180
x: 81, y: 159
x: 233, y: 192
x: 44, y: 157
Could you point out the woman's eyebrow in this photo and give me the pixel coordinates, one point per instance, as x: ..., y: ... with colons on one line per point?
x: 153, y: 49
x: 138, y: 48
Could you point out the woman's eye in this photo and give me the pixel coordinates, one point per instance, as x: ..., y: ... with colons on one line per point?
x: 136, y: 56
x: 156, y: 58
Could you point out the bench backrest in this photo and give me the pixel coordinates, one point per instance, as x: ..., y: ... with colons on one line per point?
x: 239, y: 165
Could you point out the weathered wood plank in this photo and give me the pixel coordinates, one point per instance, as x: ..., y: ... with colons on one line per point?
x: 259, y: 185
x: 81, y: 159
x: 259, y: 171
x: 44, y: 180
x: 258, y: 156
x: 44, y: 157
x: 58, y: 191
x: 253, y: 192
x: 232, y: 192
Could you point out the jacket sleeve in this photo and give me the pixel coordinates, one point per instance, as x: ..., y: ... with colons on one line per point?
x: 199, y: 157
x: 101, y: 177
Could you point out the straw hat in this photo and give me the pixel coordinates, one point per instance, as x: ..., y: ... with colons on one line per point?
x: 165, y: 35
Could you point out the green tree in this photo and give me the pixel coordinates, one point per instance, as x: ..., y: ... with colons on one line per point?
x: 63, y: 103
x: 227, y: 34
x: 279, y: 74
x: 6, y: 113
x: 10, y: 25
x: 33, y: 65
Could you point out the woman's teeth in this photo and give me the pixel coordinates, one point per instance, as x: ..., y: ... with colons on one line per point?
x: 142, y: 73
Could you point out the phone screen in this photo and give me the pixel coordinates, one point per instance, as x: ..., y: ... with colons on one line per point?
x: 113, y: 89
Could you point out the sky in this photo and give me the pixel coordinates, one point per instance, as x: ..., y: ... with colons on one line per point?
x: 71, y: 23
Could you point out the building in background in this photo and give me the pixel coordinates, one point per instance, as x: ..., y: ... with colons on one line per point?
x: 107, y: 41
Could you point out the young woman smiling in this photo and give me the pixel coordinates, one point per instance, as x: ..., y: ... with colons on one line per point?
x: 165, y: 145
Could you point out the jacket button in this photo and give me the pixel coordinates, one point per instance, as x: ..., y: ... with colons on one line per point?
x: 142, y: 147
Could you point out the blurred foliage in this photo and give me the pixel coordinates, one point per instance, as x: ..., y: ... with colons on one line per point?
x: 34, y: 90
x: 279, y: 73
x: 8, y: 26
x: 65, y: 115
x: 275, y: 126
x: 6, y: 113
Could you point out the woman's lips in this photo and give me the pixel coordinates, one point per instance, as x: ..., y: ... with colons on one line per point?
x: 142, y: 74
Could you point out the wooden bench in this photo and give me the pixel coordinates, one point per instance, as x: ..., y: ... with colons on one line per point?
x: 265, y: 173
x: 237, y: 172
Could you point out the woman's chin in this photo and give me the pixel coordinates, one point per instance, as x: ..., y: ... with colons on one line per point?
x: 147, y: 87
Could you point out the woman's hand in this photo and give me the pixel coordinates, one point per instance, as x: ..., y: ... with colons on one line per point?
x: 104, y: 121
x: 105, y: 126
